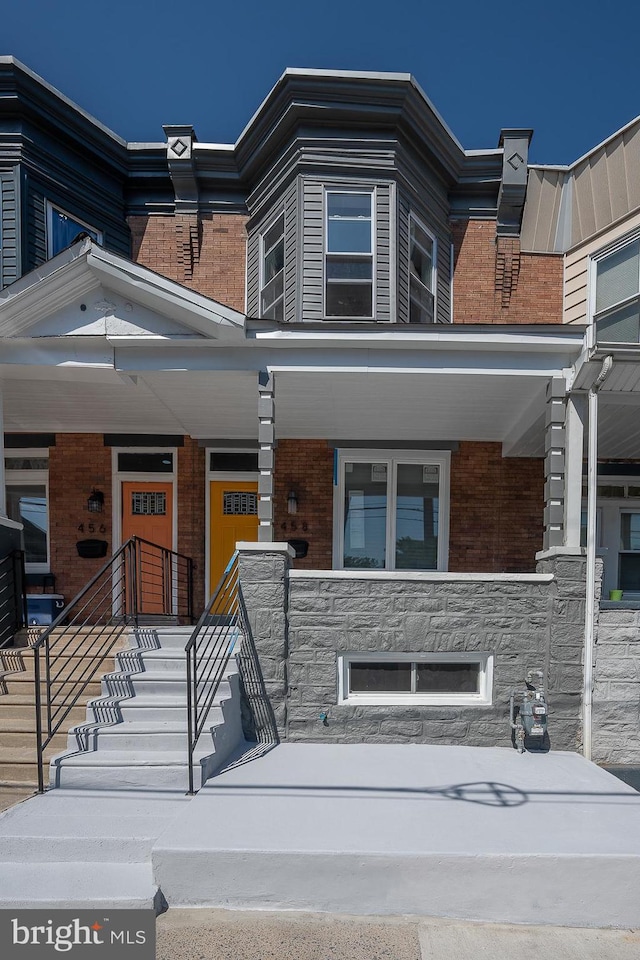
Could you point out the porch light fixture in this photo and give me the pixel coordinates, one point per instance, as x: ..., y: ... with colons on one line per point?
x: 292, y: 502
x: 95, y: 503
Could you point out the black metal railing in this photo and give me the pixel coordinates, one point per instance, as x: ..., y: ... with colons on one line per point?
x: 208, y: 652
x: 141, y: 582
x: 13, y: 602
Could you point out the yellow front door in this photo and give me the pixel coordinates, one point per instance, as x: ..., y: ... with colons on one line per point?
x: 147, y: 512
x: 233, y: 516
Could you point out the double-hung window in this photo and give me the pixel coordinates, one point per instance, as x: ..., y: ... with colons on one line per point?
x: 421, y: 273
x: 62, y: 230
x: 616, y: 309
x: 272, y: 271
x: 349, y: 262
x: 27, y: 479
x: 392, y: 510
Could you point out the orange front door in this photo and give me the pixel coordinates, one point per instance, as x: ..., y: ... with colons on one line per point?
x: 233, y: 516
x: 147, y: 512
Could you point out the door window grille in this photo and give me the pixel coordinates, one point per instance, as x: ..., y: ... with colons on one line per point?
x: 240, y: 504
x: 148, y: 504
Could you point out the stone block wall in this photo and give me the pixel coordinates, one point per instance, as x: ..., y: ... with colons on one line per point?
x: 616, y: 695
x: 302, y: 623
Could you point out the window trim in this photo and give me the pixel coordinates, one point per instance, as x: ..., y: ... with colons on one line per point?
x: 484, y: 697
x: 439, y: 458
x: 65, y: 213
x: 32, y: 478
x: 594, y: 259
x: 261, y: 281
x: 357, y: 191
x: 434, y: 271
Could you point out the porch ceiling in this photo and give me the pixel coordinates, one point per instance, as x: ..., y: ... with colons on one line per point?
x: 341, y: 405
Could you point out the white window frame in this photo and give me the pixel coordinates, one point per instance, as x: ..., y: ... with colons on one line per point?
x: 439, y: 458
x: 356, y: 191
x: 32, y: 478
x: 261, y: 284
x: 434, y: 261
x: 594, y: 260
x: 483, y: 698
x: 65, y: 213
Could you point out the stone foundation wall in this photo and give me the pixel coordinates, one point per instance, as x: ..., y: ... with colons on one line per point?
x: 303, y: 622
x: 616, y: 695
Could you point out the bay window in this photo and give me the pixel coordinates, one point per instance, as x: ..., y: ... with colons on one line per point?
x: 272, y: 271
x: 349, y: 255
x: 421, y: 273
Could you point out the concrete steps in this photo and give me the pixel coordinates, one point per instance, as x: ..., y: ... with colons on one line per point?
x: 18, y: 762
x: 98, y: 849
x: 135, y: 734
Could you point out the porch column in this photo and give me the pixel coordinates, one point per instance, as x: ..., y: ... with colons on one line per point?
x: 574, y: 445
x: 266, y: 438
x: 555, y: 464
x: 3, y: 489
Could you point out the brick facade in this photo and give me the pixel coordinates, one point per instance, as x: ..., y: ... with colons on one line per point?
x: 191, y: 511
x: 496, y: 511
x: 305, y: 466
x: 78, y: 463
x: 493, y: 282
x: 219, y: 257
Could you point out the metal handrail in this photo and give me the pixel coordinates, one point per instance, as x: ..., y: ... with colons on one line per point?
x: 13, y: 601
x: 141, y: 579
x: 208, y: 652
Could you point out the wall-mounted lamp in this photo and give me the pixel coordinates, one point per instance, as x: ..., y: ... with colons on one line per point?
x: 292, y: 502
x: 95, y: 503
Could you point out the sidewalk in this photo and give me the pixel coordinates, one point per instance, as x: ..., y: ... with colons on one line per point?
x: 254, y: 935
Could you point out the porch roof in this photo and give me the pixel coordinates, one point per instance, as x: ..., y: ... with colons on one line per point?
x: 94, y: 343
x: 619, y: 405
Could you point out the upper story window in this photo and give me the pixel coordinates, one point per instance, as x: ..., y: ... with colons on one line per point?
x: 272, y: 271
x: 421, y: 273
x: 62, y: 230
x: 617, y: 294
x: 349, y: 255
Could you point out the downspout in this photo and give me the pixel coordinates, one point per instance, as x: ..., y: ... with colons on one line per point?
x: 590, y: 599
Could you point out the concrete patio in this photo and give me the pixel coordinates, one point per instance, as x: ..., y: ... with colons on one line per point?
x: 423, y: 830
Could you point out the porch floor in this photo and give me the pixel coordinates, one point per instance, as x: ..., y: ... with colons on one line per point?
x: 425, y: 830
x: 477, y: 833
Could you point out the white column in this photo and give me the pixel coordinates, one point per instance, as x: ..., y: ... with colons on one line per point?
x: 574, y: 442
x: 266, y: 439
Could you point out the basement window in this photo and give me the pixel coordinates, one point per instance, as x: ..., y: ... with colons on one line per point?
x: 453, y: 679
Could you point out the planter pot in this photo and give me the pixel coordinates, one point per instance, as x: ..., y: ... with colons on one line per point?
x: 615, y: 594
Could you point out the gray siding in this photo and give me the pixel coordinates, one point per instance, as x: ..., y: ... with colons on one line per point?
x: 385, y: 243
x: 36, y: 226
x: 291, y: 247
x: 402, y: 310
x: 253, y: 273
x: 311, y: 265
x: 9, y: 227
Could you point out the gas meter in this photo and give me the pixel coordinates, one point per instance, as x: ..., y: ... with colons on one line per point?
x: 528, y: 713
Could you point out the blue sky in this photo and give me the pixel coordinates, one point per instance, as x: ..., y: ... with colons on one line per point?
x: 569, y: 70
